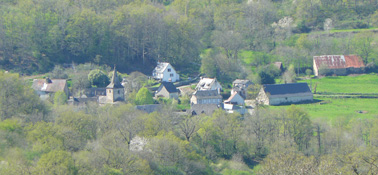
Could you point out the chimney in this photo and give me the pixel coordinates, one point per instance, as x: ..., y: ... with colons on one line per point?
x: 48, y: 80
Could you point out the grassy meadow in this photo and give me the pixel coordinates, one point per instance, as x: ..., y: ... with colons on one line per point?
x: 331, y: 108
x: 366, y: 83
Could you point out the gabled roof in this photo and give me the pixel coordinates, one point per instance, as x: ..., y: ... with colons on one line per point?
x: 49, y: 85
x: 232, y: 96
x: 171, y: 88
x: 207, y: 93
x: 161, y: 66
x: 114, y: 83
x: 278, y: 65
x: 291, y: 88
x: 338, y: 61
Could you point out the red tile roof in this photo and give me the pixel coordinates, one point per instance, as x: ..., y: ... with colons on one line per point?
x: 338, y: 61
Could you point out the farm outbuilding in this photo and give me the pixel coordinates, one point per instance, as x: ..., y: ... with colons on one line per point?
x: 277, y: 94
x: 337, y: 64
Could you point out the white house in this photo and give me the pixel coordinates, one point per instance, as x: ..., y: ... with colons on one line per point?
x: 208, y: 84
x: 236, y: 99
x: 276, y: 94
x: 165, y: 72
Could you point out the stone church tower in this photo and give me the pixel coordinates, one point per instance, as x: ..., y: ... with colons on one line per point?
x: 115, y: 91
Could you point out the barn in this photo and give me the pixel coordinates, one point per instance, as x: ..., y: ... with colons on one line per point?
x: 278, y: 94
x: 337, y: 64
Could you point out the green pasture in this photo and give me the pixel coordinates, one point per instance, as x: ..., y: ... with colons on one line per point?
x: 331, y: 108
x: 367, y: 83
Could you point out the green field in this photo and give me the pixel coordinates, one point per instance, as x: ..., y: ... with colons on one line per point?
x: 367, y: 83
x: 331, y: 108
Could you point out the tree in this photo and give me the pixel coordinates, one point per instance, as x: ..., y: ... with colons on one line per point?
x: 58, y: 73
x: 16, y: 99
x: 56, y: 162
x: 300, y: 126
x: 60, y: 98
x: 289, y: 75
x: 144, y: 97
x: 98, y: 78
x: 363, y: 45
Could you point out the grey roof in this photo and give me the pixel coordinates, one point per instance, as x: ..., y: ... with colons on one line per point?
x: 197, y: 109
x: 291, y: 88
x: 149, y: 108
x: 114, y: 83
x: 240, y: 81
x: 171, y: 88
x: 49, y: 85
x: 206, y: 93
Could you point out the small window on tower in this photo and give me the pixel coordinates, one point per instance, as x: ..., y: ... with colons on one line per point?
x: 119, y: 91
x: 110, y: 91
x: 169, y: 70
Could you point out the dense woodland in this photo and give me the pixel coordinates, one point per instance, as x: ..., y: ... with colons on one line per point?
x: 227, y: 39
x: 35, y: 35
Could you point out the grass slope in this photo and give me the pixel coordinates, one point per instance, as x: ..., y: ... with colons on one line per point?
x: 332, y: 108
x: 367, y: 83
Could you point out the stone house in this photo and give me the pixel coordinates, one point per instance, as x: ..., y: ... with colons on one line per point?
x: 337, y: 64
x: 47, y: 87
x: 114, y: 91
x: 206, y: 97
x: 167, y: 90
x: 165, y: 73
x: 208, y: 84
x: 240, y: 86
x: 277, y: 94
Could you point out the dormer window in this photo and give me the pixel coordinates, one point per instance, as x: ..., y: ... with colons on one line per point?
x: 169, y: 69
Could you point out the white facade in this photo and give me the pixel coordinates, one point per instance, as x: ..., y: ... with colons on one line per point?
x: 208, y: 84
x: 235, y: 99
x: 165, y: 72
x: 265, y: 99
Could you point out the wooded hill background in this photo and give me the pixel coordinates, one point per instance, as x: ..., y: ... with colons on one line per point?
x: 35, y: 35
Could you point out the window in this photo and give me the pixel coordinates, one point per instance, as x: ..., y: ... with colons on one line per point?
x: 171, y: 75
x: 169, y: 70
x: 110, y: 91
x: 119, y: 91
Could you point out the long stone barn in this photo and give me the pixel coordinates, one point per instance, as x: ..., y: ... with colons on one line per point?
x: 338, y: 65
x: 278, y: 94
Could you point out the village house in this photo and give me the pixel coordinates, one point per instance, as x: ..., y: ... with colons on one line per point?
x: 278, y: 65
x: 240, y: 86
x: 337, y: 64
x: 235, y: 103
x: 208, y: 84
x: 167, y: 90
x: 206, y: 97
x: 165, y: 73
x: 47, y: 87
x: 277, y: 94
x: 114, y: 91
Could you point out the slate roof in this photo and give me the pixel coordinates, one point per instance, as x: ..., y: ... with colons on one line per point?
x: 240, y: 81
x: 197, y: 109
x: 338, y: 61
x: 291, y: 88
x: 114, y: 83
x: 171, y: 88
x: 149, y: 108
x: 206, y: 93
x: 49, y: 85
